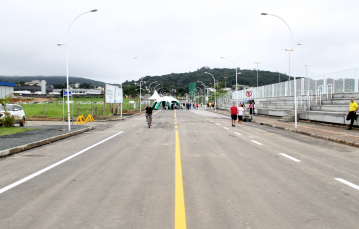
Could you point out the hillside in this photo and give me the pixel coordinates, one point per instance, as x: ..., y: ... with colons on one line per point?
x: 51, y: 80
x: 182, y: 80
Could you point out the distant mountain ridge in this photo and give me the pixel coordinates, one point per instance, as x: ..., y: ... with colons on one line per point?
x: 51, y: 80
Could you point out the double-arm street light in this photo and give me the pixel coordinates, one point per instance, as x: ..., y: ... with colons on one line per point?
x: 121, y: 78
x: 149, y: 87
x: 156, y: 86
x: 237, y: 73
x: 67, y: 66
x: 257, y: 63
x: 215, y: 91
x: 295, y: 81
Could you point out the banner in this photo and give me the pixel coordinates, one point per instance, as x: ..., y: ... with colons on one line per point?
x: 113, y: 94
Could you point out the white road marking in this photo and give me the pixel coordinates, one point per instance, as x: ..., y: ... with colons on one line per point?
x: 226, y: 128
x: 100, y: 132
x: 287, y: 156
x: 257, y: 142
x: 211, y: 121
x: 348, y: 183
x: 54, y: 165
x: 237, y: 133
x: 218, y: 124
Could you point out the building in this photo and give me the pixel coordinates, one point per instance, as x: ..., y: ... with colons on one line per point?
x: 30, y: 90
x: 6, y: 89
x: 80, y: 91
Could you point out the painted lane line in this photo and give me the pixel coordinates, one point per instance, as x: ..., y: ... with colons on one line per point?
x: 348, y: 183
x: 218, y: 124
x: 237, y: 133
x: 180, y: 212
x: 257, y: 142
x: 211, y: 121
x: 226, y: 128
x: 287, y: 156
x: 54, y: 165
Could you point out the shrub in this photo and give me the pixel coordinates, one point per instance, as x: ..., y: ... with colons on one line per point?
x: 7, y: 120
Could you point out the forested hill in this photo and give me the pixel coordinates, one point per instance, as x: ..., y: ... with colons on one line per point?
x: 51, y: 80
x: 182, y: 80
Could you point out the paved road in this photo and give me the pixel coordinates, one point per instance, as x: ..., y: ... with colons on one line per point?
x: 190, y: 169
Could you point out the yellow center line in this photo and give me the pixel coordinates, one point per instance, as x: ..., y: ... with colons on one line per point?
x: 180, y: 212
x: 175, y: 114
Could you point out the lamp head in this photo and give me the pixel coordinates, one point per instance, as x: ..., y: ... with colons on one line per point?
x: 222, y: 57
x: 264, y: 14
x: 95, y: 10
x: 135, y: 58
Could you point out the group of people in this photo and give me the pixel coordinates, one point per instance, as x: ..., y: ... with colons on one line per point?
x: 210, y: 105
x: 189, y: 105
x: 238, y: 112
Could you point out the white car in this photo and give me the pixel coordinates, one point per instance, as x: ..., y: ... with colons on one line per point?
x: 14, y: 110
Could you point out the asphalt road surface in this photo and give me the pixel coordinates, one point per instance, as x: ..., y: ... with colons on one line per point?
x: 191, y: 169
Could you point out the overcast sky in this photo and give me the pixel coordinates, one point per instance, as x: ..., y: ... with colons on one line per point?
x: 175, y: 36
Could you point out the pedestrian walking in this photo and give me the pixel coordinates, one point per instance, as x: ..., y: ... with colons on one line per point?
x: 240, y: 114
x: 251, y: 109
x: 197, y: 105
x: 353, y: 108
x: 210, y: 105
x: 234, y: 113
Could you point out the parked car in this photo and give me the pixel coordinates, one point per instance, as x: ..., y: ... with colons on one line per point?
x: 14, y: 110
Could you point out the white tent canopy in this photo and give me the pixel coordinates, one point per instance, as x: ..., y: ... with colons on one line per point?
x: 155, y: 96
x: 165, y: 99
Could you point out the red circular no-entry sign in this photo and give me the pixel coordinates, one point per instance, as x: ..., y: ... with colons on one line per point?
x: 248, y: 93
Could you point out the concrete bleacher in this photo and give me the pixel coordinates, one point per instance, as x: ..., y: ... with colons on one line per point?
x: 329, y: 110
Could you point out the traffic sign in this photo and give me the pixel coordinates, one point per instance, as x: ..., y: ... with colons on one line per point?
x: 248, y: 93
x: 65, y: 93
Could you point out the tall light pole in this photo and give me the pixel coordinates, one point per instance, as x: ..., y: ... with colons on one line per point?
x: 295, y: 78
x: 201, y: 93
x: 67, y: 66
x: 215, y: 91
x: 236, y: 75
x: 156, y: 86
x: 289, y: 50
x: 204, y: 88
x: 149, y: 87
x: 134, y: 58
x: 257, y: 71
x: 225, y: 82
x: 141, y: 92
x: 279, y: 76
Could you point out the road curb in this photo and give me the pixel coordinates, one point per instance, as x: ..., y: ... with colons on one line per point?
x: 337, y: 140
x: 41, y: 142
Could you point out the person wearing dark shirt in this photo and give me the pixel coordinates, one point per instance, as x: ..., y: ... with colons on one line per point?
x: 148, y: 113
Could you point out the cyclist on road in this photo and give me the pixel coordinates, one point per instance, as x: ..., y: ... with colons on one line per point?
x: 148, y: 113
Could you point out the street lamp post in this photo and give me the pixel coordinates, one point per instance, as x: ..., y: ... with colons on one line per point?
x: 295, y: 81
x: 204, y: 88
x: 236, y: 76
x: 289, y: 50
x: 156, y: 86
x: 67, y: 66
x: 225, y: 82
x: 257, y: 71
x: 149, y: 87
x: 121, y: 78
x: 141, y: 92
x: 215, y: 91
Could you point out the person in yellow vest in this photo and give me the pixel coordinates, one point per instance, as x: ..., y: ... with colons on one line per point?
x: 353, y: 107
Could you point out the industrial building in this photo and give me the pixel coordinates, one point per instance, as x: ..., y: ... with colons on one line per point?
x: 6, y: 89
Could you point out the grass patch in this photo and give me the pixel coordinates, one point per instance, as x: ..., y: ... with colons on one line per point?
x: 54, y: 110
x: 13, y: 130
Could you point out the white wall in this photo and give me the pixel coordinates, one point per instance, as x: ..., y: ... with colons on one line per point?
x: 6, y: 91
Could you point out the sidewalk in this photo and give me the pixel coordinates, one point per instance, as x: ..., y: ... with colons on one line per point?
x: 329, y: 132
